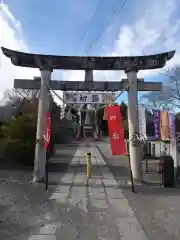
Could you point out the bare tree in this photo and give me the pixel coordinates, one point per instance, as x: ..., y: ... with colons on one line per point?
x: 173, y: 84
x: 16, y: 95
x: 22, y: 101
x: 169, y: 97
x: 160, y: 100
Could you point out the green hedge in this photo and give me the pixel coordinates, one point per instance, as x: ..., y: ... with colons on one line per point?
x: 19, y: 152
x: 22, y: 128
x: 18, y: 140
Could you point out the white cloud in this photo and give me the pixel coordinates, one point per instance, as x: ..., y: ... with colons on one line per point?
x: 11, y: 36
x: 153, y: 31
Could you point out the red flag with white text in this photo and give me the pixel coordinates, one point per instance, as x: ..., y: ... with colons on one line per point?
x: 116, y: 131
x: 47, y: 135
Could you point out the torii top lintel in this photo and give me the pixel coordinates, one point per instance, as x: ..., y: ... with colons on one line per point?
x: 82, y: 63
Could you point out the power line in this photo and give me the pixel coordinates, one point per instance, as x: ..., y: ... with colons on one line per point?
x: 88, y: 25
x: 104, y: 27
x: 117, y: 8
x: 90, y: 22
x: 114, y: 11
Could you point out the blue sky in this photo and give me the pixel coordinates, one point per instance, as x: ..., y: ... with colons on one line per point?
x: 57, y: 27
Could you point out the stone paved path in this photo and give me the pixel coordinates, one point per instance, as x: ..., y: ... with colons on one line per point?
x: 89, y: 209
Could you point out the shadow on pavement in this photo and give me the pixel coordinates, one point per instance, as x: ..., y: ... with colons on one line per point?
x: 79, y: 219
x: 75, y: 218
x: 156, y: 208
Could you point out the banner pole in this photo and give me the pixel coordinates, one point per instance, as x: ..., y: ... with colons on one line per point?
x: 47, y: 171
x: 147, y: 170
x: 132, y: 181
x: 47, y: 146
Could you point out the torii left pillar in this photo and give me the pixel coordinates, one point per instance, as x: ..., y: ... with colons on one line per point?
x: 40, y: 151
x: 135, y: 150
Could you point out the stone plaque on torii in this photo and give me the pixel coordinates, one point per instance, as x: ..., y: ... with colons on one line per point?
x: 131, y: 65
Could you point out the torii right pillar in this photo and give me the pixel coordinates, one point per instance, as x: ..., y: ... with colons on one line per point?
x: 133, y: 122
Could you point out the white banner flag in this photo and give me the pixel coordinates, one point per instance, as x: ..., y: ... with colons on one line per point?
x: 142, y: 122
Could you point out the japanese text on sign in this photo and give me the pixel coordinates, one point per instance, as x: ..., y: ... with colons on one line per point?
x: 71, y: 97
x: 116, y: 136
x: 112, y: 117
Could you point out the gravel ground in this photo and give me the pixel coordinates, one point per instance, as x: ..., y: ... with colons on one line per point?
x: 24, y: 207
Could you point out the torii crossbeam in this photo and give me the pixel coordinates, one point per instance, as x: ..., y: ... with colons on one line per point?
x: 86, y: 86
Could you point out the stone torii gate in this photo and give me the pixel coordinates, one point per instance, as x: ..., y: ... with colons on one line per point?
x: 46, y: 64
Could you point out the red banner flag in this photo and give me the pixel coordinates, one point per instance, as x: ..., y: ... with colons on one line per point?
x: 47, y: 134
x: 116, y: 131
x: 78, y: 134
